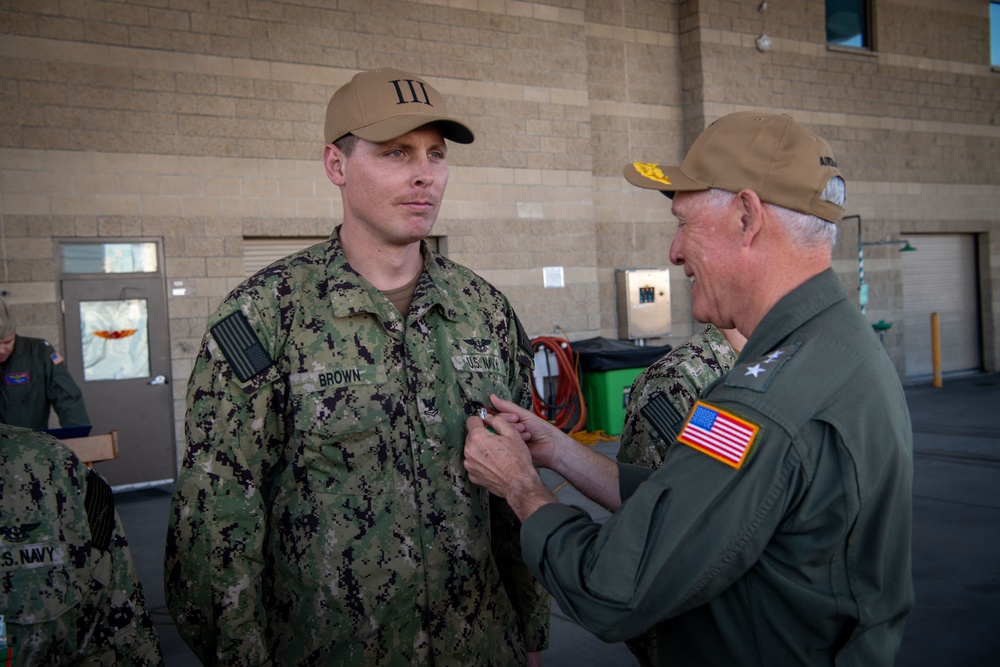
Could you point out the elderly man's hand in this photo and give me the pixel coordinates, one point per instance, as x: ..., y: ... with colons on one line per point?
x: 545, y: 441
x: 501, y: 462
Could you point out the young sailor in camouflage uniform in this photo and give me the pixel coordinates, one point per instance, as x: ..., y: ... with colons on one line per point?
x: 778, y: 529
x: 69, y: 592
x: 322, y: 515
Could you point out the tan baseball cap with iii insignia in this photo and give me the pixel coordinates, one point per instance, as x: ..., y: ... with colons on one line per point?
x: 771, y: 154
x: 382, y: 104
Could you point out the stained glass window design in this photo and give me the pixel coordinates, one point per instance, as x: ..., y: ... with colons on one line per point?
x: 115, y: 337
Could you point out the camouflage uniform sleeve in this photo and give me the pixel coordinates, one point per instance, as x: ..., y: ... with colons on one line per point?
x: 123, y: 621
x: 530, y: 600
x: 215, y: 540
x: 69, y: 590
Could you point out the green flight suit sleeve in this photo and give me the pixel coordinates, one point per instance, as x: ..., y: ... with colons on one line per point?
x: 63, y: 393
x: 531, y: 601
x: 651, y: 560
x: 214, y: 555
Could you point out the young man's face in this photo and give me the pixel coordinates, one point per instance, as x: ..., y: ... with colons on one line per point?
x: 7, y: 347
x: 392, y: 191
x: 708, y: 246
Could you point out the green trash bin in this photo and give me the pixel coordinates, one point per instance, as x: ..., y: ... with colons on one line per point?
x: 608, y: 368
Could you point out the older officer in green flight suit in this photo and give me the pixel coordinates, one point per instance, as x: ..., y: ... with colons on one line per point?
x: 777, y: 531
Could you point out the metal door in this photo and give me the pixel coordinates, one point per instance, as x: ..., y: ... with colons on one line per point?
x: 117, y: 347
x: 941, y: 277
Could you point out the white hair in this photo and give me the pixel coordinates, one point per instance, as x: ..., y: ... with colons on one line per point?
x: 806, y: 231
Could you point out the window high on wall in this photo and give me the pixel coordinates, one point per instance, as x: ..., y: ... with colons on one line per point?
x: 848, y: 23
x: 995, y: 34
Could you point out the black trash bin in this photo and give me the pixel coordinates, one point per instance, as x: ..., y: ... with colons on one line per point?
x: 608, y: 368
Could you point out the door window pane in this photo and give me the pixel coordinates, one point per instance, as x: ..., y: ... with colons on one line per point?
x: 115, y: 337
x: 109, y: 257
x: 847, y: 23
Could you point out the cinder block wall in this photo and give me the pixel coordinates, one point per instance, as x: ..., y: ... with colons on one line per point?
x: 914, y: 123
x: 200, y: 123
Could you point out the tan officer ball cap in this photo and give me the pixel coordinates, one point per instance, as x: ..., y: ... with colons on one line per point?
x: 771, y: 154
x: 382, y: 104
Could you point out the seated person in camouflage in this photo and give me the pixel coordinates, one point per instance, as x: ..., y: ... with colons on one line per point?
x: 69, y: 592
x: 322, y: 515
x: 34, y: 381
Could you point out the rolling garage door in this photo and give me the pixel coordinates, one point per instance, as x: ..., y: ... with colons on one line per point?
x: 941, y: 277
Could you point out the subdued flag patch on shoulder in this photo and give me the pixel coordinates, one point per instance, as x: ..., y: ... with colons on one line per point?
x: 662, y: 416
x: 720, y: 434
x: 239, y: 343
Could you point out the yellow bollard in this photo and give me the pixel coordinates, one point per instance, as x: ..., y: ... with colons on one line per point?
x: 936, y: 348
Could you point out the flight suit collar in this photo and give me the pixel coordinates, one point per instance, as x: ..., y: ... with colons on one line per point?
x: 797, y: 307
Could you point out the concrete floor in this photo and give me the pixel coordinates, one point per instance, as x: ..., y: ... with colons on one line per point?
x: 956, y: 540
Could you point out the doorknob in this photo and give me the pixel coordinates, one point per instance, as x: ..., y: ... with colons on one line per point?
x: 159, y: 379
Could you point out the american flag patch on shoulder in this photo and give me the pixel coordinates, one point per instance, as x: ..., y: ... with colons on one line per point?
x: 720, y: 434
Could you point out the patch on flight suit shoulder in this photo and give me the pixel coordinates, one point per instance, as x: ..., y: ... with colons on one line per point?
x: 662, y: 416
x: 720, y: 434
x: 756, y: 375
x: 239, y: 343
x: 54, y: 355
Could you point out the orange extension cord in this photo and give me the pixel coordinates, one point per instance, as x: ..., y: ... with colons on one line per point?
x: 565, y: 402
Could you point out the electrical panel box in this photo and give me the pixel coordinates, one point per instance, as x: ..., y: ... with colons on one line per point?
x: 643, y: 303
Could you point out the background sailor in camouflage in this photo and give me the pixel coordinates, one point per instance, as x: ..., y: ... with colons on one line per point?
x: 662, y: 395
x: 69, y: 592
x: 34, y: 380
x: 322, y: 515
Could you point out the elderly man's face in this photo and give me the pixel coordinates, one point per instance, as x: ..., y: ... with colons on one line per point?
x: 7, y: 347
x: 708, y: 245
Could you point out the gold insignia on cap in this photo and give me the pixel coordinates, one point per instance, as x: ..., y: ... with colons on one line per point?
x: 652, y: 171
